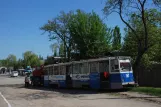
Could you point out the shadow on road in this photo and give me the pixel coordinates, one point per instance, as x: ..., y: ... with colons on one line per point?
x: 74, y: 90
x: 87, y: 91
x: 48, y: 92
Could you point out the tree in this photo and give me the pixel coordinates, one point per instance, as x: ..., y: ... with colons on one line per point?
x: 157, y: 3
x: 58, y: 30
x: 153, y: 27
x: 11, y: 60
x: 3, y: 62
x: 0, y: 62
x: 154, y: 30
x: 61, y: 50
x: 31, y: 59
x: 54, y: 47
x: 89, y: 34
x: 41, y: 57
x: 116, y: 39
x: 49, y: 60
x: 126, y: 7
x: 20, y: 63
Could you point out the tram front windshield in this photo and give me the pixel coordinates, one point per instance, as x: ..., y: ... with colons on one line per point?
x: 125, y: 66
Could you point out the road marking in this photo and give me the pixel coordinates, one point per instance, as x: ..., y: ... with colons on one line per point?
x: 9, y: 105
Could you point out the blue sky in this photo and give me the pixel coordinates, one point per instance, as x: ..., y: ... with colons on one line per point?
x: 20, y: 21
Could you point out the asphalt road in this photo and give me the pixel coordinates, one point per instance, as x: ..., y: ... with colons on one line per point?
x: 2, y: 102
x: 7, y: 80
x: 18, y: 96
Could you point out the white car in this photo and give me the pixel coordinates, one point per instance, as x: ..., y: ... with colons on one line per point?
x: 14, y: 74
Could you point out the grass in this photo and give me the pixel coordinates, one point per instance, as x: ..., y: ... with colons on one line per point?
x: 147, y: 90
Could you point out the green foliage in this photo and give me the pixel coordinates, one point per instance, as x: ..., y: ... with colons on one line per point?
x: 20, y: 64
x: 41, y: 57
x: 61, y: 50
x: 116, y: 39
x: 58, y: 30
x: 89, y: 34
x: 11, y: 60
x: 54, y: 47
x: 157, y: 2
x: 142, y: 26
x: 31, y: 59
x: 3, y: 62
x: 154, y: 37
x: 49, y: 60
x: 79, y: 32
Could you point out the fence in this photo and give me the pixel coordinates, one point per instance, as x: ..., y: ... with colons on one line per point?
x: 150, y: 77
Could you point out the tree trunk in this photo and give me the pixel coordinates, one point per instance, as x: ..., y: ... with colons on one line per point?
x: 65, y: 52
x: 68, y: 54
x: 137, y: 65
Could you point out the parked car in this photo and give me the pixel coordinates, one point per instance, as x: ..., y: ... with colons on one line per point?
x: 14, y: 74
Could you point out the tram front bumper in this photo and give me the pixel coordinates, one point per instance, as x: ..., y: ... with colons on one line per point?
x: 129, y: 84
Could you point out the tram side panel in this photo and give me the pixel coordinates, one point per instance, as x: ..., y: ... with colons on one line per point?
x: 57, y: 76
x: 99, y: 75
x: 69, y: 76
x: 115, y: 77
x: 46, y: 77
x: 62, y: 77
x: 80, y: 76
x: 94, y: 75
x: 104, y: 74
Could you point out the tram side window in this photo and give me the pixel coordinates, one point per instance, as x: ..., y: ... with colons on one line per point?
x: 56, y: 70
x: 104, y: 66
x: 94, y: 67
x: 114, y: 66
x: 50, y: 70
x: 84, y: 68
x: 76, y: 69
x: 62, y: 70
x: 68, y: 69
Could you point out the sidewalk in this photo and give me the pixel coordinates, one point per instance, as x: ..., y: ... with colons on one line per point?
x: 141, y: 96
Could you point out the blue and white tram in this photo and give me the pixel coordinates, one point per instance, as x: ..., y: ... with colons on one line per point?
x: 101, y: 73
x: 57, y: 74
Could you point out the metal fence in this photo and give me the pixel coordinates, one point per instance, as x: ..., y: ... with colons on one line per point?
x: 150, y: 77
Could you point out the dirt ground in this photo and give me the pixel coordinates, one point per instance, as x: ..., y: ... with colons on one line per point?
x: 18, y: 96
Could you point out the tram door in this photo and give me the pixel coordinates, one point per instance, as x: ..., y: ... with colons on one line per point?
x: 104, y: 74
x: 69, y: 76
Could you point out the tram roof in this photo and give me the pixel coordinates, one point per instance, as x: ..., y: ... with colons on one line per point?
x: 90, y: 60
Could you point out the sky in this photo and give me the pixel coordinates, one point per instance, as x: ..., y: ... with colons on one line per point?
x: 20, y: 21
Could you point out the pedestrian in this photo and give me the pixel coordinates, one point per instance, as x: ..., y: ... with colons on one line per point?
x: 27, y: 80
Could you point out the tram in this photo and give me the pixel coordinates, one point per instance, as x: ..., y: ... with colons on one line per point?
x: 100, y: 73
